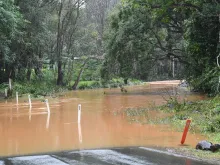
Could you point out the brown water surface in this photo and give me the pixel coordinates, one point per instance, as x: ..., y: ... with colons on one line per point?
x: 29, y: 131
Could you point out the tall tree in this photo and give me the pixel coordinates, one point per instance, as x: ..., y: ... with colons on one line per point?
x: 67, y: 13
x: 10, y: 27
x: 187, y: 31
x: 30, y: 51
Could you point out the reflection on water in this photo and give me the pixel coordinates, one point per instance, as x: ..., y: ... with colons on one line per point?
x: 28, y: 131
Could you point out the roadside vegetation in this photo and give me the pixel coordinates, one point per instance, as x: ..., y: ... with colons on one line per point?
x: 82, y: 44
x: 205, y: 116
x: 47, y: 86
x: 48, y: 47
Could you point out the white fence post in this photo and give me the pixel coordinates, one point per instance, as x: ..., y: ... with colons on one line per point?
x: 6, y: 93
x: 79, y: 123
x: 48, y: 107
x: 48, y: 114
x: 48, y: 121
x: 30, y: 114
x: 10, y: 86
x: 17, y: 97
x: 80, y: 132
x: 29, y: 99
x: 79, y: 113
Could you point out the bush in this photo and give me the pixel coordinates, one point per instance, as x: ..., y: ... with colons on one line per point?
x: 207, y: 81
x: 38, y: 88
x: 89, y: 84
x: 3, y: 87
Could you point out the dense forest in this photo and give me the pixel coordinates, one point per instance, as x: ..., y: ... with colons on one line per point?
x: 52, y: 44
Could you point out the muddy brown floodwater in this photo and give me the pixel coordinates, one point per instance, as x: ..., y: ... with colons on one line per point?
x: 24, y: 131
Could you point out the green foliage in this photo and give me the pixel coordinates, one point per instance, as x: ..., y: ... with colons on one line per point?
x: 3, y: 87
x: 145, y: 36
x: 92, y: 71
x: 38, y: 89
x: 207, y: 82
x: 9, y: 19
x: 113, y: 83
x: 10, y: 22
x: 139, y: 42
x: 203, y: 49
x: 134, y: 82
x: 139, y: 39
x: 204, y: 114
x: 89, y: 84
x: 127, y: 42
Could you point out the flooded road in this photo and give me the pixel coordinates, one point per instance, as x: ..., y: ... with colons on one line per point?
x: 122, y: 156
x: 30, y: 131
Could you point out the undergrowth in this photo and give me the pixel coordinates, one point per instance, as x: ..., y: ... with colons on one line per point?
x: 205, y: 116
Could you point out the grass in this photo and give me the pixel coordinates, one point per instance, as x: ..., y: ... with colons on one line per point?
x: 48, y: 87
x: 37, y: 90
x: 207, y: 156
x: 3, y: 87
x: 205, y: 116
x: 114, y: 83
x: 89, y: 85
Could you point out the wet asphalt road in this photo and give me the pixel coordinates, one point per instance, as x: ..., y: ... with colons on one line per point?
x: 120, y: 156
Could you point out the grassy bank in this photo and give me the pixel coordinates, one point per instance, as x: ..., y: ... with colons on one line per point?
x: 205, y: 116
x: 38, y: 89
x: 114, y: 83
x: 46, y: 88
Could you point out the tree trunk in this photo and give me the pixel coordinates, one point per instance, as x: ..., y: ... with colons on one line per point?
x: 38, y: 73
x: 218, y: 45
x: 11, y: 73
x: 59, y: 47
x: 60, y: 74
x: 38, y: 68
x: 70, y: 71
x: 125, y: 81
x: 28, y: 76
x: 217, y: 58
x: 79, y: 76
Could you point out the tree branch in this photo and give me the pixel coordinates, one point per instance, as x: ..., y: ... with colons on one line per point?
x: 158, y: 41
x: 175, y: 5
x: 218, y: 60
